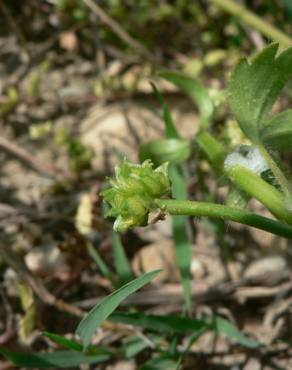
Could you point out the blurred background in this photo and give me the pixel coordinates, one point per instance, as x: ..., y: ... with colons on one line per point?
x: 75, y: 98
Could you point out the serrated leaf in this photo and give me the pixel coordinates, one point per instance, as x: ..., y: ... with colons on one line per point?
x: 277, y: 132
x: 101, y: 311
x: 255, y: 86
x: 195, y: 90
x: 55, y: 360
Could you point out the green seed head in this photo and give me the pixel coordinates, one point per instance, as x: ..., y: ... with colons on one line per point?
x: 133, y: 191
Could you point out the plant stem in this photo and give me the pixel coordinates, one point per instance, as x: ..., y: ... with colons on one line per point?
x: 251, y: 19
x: 281, y: 178
x: 213, y: 149
x: 204, y: 209
x: 267, y: 194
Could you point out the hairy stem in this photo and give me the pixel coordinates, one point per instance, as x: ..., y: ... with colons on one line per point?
x: 251, y: 19
x: 267, y: 194
x: 204, y: 209
x: 213, y: 149
x: 282, y: 180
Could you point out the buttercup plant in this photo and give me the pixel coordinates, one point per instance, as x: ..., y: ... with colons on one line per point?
x: 254, y: 87
x: 133, y: 193
x: 140, y: 194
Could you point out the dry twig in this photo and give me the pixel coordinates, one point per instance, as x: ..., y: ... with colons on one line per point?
x: 26, y: 157
x: 117, y: 29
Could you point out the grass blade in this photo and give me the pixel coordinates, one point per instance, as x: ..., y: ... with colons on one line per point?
x: 225, y: 327
x: 166, y: 324
x: 196, y: 91
x: 98, y: 260
x: 101, y: 311
x: 180, y: 234
x: 122, y: 265
x: 63, y: 341
x: 170, y: 129
x: 55, y: 360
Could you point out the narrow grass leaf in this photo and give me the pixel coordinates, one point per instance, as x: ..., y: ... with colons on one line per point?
x: 101, y: 265
x: 225, y: 327
x: 196, y: 91
x: 180, y: 234
x: 101, y: 311
x: 63, y: 341
x: 134, y: 345
x: 170, y: 129
x: 165, y: 323
x: 162, y: 362
x: 122, y: 265
x: 55, y: 360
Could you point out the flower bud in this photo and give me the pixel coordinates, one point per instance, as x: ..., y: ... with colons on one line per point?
x: 133, y: 192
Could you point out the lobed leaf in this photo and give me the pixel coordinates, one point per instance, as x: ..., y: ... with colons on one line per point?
x: 277, y: 132
x: 255, y: 86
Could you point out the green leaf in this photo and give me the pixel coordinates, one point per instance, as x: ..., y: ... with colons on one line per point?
x: 165, y: 323
x: 175, y: 151
x: 165, y: 150
x: 184, y: 325
x: 99, y: 261
x: 255, y: 86
x: 137, y: 344
x: 162, y: 362
x: 56, y: 360
x: 225, y: 327
x: 121, y: 261
x: 63, y: 341
x: 180, y: 234
x: 196, y: 91
x: 76, y: 346
x: 101, y: 311
x: 170, y: 129
x: 277, y: 131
